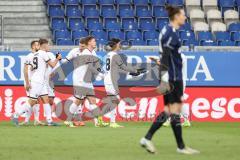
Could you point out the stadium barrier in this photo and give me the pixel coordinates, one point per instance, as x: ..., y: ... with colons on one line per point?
x: 212, y: 93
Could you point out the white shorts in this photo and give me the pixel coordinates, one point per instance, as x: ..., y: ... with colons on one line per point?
x: 37, y: 90
x: 111, y: 90
x: 83, y: 90
x: 50, y: 88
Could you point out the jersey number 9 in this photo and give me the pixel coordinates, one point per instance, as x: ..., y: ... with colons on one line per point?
x: 35, y: 63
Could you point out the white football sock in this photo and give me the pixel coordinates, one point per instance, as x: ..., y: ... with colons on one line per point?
x: 36, y: 109
x: 92, y: 107
x: 185, y: 112
x: 113, y: 115
x: 48, y: 112
x: 28, y: 115
x: 25, y: 108
x: 73, y: 108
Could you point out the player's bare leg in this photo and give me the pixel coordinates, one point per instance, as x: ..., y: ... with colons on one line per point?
x: 48, y: 111
x: 25, y: 108
x: 93, y: 105
x: 53, y: 107
x: 75, y: 109
x: 113, y: 113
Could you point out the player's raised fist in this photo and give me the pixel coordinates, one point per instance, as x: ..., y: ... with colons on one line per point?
x: 59, y: 56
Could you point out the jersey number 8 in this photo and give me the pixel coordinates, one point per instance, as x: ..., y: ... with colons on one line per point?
x: 108, y: 64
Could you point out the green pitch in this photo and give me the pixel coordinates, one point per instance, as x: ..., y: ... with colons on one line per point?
x: 216, y: 141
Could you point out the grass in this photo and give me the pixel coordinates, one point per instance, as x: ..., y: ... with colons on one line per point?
x: 216, y: 141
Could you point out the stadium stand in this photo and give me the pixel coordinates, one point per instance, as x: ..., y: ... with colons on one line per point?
x: 139, y: 21
x: 135, y: 21
x: 24, y: 21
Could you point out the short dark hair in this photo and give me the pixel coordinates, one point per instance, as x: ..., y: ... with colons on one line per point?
x: 112, y: 43
x: 43, y: 41
x: 82, y: 40
x: 33, y: 42
x: 87, y: 39
x: 172, y: 11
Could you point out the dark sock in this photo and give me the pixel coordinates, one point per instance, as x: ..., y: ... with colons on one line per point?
x: 161, y: 118
x: 177, y: 130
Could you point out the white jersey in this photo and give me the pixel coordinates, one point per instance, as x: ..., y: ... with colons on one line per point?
x: 27, y: 61
x: 112, y: 64
x: 39, y: 66
x: 80, y: 73
x: 49, y: 69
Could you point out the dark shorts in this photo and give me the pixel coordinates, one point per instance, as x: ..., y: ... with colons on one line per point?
x: 175, y: 96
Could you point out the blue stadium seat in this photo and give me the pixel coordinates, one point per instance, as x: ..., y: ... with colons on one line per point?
x: 128, y: 20
x: 89, y: 6
x: 222, y: 36
x: 76, y: 25
x: 101, y: 41
x: 73, y: 12
x: 116, y: 34
x: 108, y: 13
x: 65, y: 34
x: 101, y: 2
x: 130, y: 25
x: 106, y: 7
x: 140, y: 2
x: 91, y: 13
x: 147, y: 26
x: 134, y: 34
x: 236, y: 36
x: 190, y: 43
x: 94, y: 2
x: 126, y: 13
x: 153, y: 42
x: 226, y: 4
x: 175, y: 2
x: 99, y: 34
x: 123, y: 6
x: 112, y: 26
x: 58, y: 24
x: 226, y: 43
x: 55, y: 11
x: 186, y: 27
x: 204, y: 36
x: 158, y: 2
x: 149, y: 35
x: 54, y: 2
x: 67, y: 2
x: 64, y: 42
x: 76, y: 42
x: 208, y: 43
x: 137, y: 42
x: 142, y: 20
x: 123, y: 1
x: 238, y: 44
x: 79, y: 34
x: 237, y: 3
x: 144, y: 13
x: 95, y: 25
x: 187, y: 36
x: 161, y: 23
x: 234, y: 27
x: 160, y: 12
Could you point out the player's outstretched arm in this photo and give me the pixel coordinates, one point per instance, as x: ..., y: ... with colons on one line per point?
x: 54, y: 63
